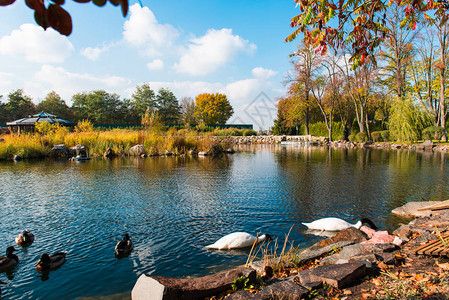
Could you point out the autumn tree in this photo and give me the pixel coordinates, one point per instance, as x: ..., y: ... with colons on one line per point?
x: 168, y: 106
x: 359, y: 24
x: 143, y: 99
x: 305, y: 66
x: 54, y: 104
x: 213, y: 108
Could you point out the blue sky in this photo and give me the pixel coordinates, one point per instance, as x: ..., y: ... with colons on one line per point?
x: 195, y: 46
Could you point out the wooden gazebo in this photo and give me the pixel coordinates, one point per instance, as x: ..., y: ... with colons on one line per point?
x: 28, y: 124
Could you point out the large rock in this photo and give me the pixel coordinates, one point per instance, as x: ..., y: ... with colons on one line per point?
x: 411, y: 209
x: 137, y: 150
x: 338, y: 276
x: 109, y: 153
x: 59, y: 151
x: 351, y: 234
x: 78, y: 150
x: 167, y: 288
x: 285, y: 290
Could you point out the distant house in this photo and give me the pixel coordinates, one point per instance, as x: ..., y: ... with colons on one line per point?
x: 28, y: 124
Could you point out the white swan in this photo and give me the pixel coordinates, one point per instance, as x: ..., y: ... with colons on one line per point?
x: 237, y: 240
x: 336, y: 224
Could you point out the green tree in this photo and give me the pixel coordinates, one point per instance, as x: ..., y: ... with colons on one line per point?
x: 128, y: 113
x: 168, y: 106
x: 213, y: 108
x: 54, y: 104
x: 98, y: 106
x: 19, y: 105
x: 3, y: 111
x: 143, y: 99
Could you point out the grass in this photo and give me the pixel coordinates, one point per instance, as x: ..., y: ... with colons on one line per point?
x: 156, y: 142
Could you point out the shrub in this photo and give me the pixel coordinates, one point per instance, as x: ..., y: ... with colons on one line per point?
x: 376, y: 136
x: 84, y: 126
x: 385, y: 134
x: 341, y: 138
x: 433, y: 132
x: 249, y: 132
x: 361, y: 137
x: 353, y: 137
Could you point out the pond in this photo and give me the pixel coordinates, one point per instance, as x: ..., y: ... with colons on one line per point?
x: 174, y: 206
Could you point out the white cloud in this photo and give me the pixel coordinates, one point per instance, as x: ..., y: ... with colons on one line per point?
x: 93, y: 53
x: 36, y: 44
x: 260, y: 72
x: 155, y: 65
x: 206, y: 54
x: 144, y: 31
x: 7, y: 81
x: 66, y: 83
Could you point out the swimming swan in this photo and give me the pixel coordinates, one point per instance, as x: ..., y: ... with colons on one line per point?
x: 336, y: 224
x: 237, y: 240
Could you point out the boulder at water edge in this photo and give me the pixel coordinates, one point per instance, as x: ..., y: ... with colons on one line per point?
x: 137, y: 150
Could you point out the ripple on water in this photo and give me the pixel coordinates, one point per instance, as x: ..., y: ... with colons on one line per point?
x: 173, y: 207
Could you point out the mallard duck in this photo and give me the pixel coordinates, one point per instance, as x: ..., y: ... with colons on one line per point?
x: 237, y: 240
x: 124, y: 247
x: 336, y: 224
x: 25, y: 238
x: 50, y: 262
x: 10, y: 261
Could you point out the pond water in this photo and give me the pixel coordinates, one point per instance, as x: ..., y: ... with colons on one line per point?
x: 172, y: 207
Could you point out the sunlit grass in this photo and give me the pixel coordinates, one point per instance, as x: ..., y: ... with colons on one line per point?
x: 156, y: 142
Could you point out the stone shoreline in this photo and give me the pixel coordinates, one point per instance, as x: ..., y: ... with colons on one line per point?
x: 344, y: 262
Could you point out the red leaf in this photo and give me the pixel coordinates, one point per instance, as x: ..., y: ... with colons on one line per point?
x: 59, y: 19
x: 41, y: 19
x: 124, y: 4
x: 414, y: 25
x: 6, y: 2
x: 37, y: 5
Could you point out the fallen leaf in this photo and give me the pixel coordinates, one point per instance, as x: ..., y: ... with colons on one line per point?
x: 376, y: 281
x: 347, y: 292
x: 418, y: 277
x: 444, y: 266
x: 365, y: 296
x: 382, y: 265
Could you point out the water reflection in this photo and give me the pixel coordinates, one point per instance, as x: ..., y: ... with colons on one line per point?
x: 173, y: 206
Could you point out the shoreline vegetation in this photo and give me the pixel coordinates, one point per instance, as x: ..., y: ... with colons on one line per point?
x: 157, y: 141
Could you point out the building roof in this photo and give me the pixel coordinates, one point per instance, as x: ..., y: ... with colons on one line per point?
x: 40, y: 117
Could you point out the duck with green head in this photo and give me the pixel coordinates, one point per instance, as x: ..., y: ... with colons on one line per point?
x: 10, y: 260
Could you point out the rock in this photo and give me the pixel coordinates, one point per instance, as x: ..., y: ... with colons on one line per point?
x: 230, y: 151
x: 338, y: 276
x: 78, y: 150
x: 350, y: 234
x: 168, y: 153
x: 2, y: 140
x: 158, y: 287
x: 304, y: 257
x: 427, y: 145
x: 285, y: 290
x: 17, y: 158
x: 203, y: 153
x: 404, y: 232
x: 425, y: 237
x: 136, y: 150
x: 109, y: 153
x: 411, y: 209
x: 59, y: 150
x: 242, y: 295
x: 359, y: 252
